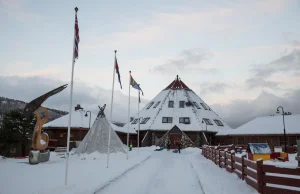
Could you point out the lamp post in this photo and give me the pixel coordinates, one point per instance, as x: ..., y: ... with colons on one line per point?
x: 78, y: 107
x: 90, y: 118
x: 283, y: 113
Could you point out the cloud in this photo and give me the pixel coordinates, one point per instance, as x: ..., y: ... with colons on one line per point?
x: 239, y: 112
x: 189, y: 60
x: 185, y: 21
x: 16, y: 10
x: 217, y: 87
x: 261, y: 82
x: 89, y: 97
x: 288, y: 65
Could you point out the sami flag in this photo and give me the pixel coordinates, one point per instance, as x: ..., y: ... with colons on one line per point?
x: 135, y: 85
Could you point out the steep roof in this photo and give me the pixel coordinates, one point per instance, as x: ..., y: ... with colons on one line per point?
x: 194, y: 109
x: 267, y: 125
x: 80, y: 121
x: 177, y: 84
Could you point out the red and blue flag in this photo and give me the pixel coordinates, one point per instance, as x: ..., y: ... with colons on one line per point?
x: 76, y: 38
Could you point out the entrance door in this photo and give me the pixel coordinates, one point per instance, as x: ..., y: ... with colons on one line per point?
x: 173, y: 138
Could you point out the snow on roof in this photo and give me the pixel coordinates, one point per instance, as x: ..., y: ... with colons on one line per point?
x: 267, y: 125
x: 79, y: 120
x: 177, y: 94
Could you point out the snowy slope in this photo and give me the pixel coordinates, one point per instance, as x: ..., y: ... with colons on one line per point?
x: 267, y: 125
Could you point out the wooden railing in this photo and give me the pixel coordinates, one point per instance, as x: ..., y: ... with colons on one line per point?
x: 256, y: 174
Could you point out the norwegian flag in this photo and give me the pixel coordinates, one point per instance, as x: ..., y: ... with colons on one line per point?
x: 76, y: 38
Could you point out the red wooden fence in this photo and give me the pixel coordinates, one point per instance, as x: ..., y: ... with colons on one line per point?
x: 256, y: 174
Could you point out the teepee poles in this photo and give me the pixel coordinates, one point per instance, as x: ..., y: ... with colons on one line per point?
x: 128, y: 114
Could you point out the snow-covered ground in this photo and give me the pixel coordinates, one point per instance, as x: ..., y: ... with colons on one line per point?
x: 157, y: 172
x: 17, y: 176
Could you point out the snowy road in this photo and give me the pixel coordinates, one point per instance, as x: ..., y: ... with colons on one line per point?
x: 164, y: 172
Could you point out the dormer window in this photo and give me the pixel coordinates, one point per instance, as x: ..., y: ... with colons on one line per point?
x: 207, y: 121
x: 204, y: 106
x: 196, y: 105
x: 156, y: 104
x: 167, y: 119
x: 134, y: 121
x: 145, y: 120
x: 171, y: 104
x: 185, y: 120
x: 151, y: 103
x: 181, y: 104
x: 218, y: 122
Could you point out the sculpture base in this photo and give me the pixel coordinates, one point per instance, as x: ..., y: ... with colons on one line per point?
x: 35, y: 156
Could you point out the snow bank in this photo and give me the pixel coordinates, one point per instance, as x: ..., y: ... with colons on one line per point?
x: 215, y: 180
x: 85, y: 176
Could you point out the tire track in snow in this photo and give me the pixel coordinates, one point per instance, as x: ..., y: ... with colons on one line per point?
x: 120, y: 176
x: 196, y: 176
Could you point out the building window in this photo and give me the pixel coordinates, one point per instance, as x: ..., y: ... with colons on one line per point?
x: 167, y: 119
x: 204, y: 106
x: 134, y: 121
x: 151, y: 103
x: 218, y: 122
x: 145, y: 120
x: 197, y: 105
x: 207, y: 121
x: 156, y: 104
x: 185, y: 120
x: 181, y: 104
x: 171, y: 104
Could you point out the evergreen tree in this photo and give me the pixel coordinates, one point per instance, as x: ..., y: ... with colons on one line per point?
x: 15, y: 130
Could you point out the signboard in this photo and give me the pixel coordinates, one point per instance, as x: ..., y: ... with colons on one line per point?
x: 259, y: 148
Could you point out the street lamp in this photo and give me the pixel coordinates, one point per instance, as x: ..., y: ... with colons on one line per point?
x: 90, y: 117
x: 283, y: 113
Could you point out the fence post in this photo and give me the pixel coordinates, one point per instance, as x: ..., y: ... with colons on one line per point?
x: 243, y: 167
x: 216, y: 151
x: 231, y: 161
x: 225, y: 158
x: 214, y: 155
x: 220, y: 158
x: 259, y: 164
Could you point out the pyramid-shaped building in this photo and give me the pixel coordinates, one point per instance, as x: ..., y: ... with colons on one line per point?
x: 177, y: 111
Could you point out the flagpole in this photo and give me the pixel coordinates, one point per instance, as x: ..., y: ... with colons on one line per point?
x: 111, y: 108
x: 128, y: 114
x: 70, y: 107
x: 139, y: 123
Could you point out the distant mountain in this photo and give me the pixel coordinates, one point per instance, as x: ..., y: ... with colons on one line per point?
x: 7, y: 104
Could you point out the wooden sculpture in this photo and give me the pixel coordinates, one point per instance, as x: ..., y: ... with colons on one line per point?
x: 40, y: 139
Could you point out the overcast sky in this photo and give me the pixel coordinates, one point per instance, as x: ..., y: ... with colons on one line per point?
x: 240, y: 57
